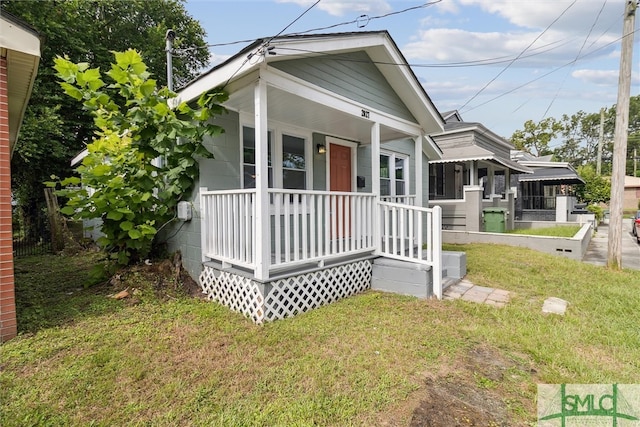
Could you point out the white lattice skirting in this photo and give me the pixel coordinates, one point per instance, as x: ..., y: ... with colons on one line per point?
x: 285, y: 297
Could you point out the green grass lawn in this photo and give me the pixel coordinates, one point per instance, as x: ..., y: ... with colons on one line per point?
x: 558, y: 231
x: 164, y: 358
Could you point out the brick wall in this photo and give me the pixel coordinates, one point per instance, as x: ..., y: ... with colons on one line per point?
x: 8, y: 324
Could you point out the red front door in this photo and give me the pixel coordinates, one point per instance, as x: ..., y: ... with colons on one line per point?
x: 340, y: 168
x: 340, y: 180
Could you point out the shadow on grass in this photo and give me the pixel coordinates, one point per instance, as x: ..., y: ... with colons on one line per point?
x: 51, y: 290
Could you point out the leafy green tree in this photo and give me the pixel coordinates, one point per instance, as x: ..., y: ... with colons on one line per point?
x: 596, y: 188
x: 581, y: 131
x: 55, y: 129
x: 580, y: 134
x: 535, y: 137
x: 122, y: 183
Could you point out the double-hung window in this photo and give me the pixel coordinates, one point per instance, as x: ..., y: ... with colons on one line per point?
x: 249, y: 157
x: 394, y: 172
x: 294, y: 164
x: 288, y: 161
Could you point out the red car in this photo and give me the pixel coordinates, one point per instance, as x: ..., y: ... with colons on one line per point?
x: 635, y: 226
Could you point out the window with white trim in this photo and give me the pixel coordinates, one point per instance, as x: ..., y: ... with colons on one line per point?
x: 394, y: 174
x: 288, y: 161
x: 249, y: 157
x: 294, y: 164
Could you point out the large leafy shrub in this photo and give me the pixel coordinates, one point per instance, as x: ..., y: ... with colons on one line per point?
x: 143, y: 158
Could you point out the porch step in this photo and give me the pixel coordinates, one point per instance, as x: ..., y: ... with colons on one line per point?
x: 401, y: 277
x: 454, y: 263
x: 408, y: 278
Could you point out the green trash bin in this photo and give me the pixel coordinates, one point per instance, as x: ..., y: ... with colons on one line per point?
x: 494, y: 219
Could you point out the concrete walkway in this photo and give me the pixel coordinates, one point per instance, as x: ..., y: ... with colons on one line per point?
x: 597, y: 250
x: 467, y: 291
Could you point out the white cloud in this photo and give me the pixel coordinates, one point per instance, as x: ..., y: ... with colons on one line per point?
x: 344, y: 7
x: 444, y: 45
x: 540, y: 14
x: 602, y: 77
x: 598, y: 77
x: 515, y: 25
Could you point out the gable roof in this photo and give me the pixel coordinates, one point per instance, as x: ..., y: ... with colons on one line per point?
x: 452, y: 116
x: 467, y: 147
x: 241, y: 70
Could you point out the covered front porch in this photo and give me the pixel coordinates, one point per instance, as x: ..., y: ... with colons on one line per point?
x: 316, y: 246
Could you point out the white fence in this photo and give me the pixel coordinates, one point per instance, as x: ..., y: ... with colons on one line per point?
x: 316, y: 226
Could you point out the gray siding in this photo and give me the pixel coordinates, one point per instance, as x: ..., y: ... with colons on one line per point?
x: 319, y: 164
x: 220, y: 173
x: 352, y: 75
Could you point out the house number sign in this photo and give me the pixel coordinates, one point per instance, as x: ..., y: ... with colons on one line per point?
x: 365, y: 114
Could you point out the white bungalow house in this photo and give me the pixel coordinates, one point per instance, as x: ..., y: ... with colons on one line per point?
x: 323, y: 167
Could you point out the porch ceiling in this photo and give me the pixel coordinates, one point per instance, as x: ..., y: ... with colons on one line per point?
x: 299, y: 112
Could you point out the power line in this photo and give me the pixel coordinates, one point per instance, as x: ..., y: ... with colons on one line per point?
x: 547, y: 74
x: 250, y: 56
x: 519, y: 55
x: 577, y: 56
x: 361, y: 22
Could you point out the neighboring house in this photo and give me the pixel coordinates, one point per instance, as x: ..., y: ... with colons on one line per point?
x: 19, y: 58
x: 547, y: 194
x: 631, y: 193
x: 324, y: 133
x: 471, y: 175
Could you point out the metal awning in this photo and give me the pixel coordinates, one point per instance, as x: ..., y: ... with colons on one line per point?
x: 472, y: 152
x: 553, y: 176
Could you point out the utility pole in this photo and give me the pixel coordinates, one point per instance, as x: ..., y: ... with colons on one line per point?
x: 600, y: 143
x: 635, y: 159
x: 170, y: 37
x: 614, y: 256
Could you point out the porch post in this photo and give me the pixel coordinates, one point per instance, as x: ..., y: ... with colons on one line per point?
x: 473, y: 173
x: 375, y: 182
x: 492, y: 182
x: 418, y: 155
x: 262, y: 244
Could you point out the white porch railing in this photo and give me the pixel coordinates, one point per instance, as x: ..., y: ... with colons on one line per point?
x: 317, y: 226
x: 401, y: 228
x: 228, y: 226
x: 409, y: 199
x: 305, y: 226
x: 313, y: 226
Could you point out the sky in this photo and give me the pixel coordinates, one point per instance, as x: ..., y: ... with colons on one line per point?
x: 498, y: 62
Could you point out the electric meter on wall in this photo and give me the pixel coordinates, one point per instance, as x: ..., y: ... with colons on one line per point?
x: 184, y: 211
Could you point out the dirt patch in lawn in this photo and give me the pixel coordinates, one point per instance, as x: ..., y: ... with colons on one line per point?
x: 467, y: 392
x: 165, y: 278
